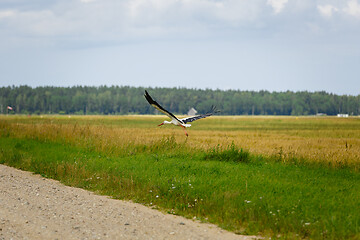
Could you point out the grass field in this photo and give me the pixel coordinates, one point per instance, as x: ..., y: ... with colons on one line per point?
x: 282, y: 177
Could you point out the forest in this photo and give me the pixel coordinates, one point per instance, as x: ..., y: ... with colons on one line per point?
x: 123, y: 100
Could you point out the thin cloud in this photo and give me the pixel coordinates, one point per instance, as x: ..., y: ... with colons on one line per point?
x: 87, y: 1
x: 327, y: 10
x: 352, y: 8
x: 7, y: 14
x: 112, y: 20
x: 277, y: 5
x: 130, y: 18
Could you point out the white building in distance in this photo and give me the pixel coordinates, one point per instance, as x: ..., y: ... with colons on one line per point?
x: 192, y: 112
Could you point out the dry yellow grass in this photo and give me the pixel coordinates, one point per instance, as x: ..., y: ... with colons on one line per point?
x: 324, y: 139
x: 317, y: 139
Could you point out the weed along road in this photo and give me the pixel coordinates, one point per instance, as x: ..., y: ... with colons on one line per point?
x: 33, y: 207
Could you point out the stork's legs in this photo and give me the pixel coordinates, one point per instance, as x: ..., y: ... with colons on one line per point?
x: 184, y: 130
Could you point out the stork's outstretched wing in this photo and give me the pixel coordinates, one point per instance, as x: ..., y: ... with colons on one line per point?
x: 191, y: 119
x: 158, y: 107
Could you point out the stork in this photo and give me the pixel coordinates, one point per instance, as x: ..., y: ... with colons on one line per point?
x: 183, y: 122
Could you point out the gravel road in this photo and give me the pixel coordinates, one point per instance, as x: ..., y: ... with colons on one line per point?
x: 33, y: 207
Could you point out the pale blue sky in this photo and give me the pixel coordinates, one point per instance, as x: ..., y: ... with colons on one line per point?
x: 274, y: 45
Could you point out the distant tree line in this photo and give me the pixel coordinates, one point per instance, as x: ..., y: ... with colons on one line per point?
x: 130, y: 100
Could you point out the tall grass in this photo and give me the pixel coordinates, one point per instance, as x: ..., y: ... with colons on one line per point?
x: 231, y: 153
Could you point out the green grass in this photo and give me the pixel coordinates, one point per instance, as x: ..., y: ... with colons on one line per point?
x: 228, y: 186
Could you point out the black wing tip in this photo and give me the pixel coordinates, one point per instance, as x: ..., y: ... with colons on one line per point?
x: 150, y: 100
x: 148, y: 97
x: 214, y: 110
x: 146, y: 94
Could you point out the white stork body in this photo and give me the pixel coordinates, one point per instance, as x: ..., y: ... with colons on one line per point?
x: 174, y: 120
x: 176, y: 123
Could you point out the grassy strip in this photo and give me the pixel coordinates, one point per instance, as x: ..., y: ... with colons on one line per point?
x: 332, y: 142
x: 238, y: 191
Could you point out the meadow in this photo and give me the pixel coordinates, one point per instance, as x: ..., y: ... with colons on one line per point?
x: 279, y: 177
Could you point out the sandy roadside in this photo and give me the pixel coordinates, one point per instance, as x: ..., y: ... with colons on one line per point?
x: 33, y: 207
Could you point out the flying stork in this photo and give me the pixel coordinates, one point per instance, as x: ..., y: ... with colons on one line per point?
x: 174, y: 120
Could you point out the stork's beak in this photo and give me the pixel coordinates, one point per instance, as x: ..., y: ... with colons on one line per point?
x: 160, y: 124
